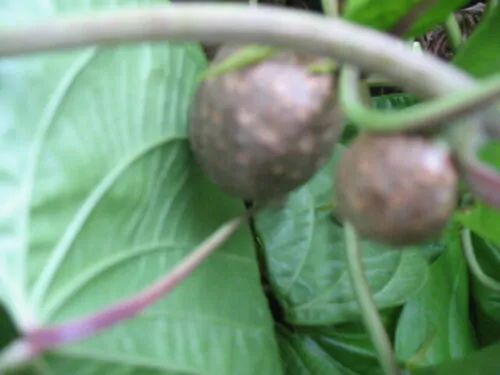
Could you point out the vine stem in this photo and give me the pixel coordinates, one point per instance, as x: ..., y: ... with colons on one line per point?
x: 369, y: 313
x: 42, y: 339
x: 474, y: 266
x: 453, y: 32
x: 345, y: 42
x: 422, y: 116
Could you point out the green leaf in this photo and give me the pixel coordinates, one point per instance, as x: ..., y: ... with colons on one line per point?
x: 487, y: 328
x: 301, y: 355
x: 101, y: 196
x: 349, y: 344
x: 434, y: 326
x: 482, y: 362
x: 484, y: 43
x: 304, y: 251
x: 482, y: 220
x: 488, y: 257
x: 384, y: 15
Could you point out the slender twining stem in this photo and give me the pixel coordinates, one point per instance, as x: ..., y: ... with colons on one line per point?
x: 345, y: 42
x: 418, y: 117
x: 474, y: 266
x: 240, y: 59
x: 47, y: 338
x: 369, y: 313
x: 453, y: 32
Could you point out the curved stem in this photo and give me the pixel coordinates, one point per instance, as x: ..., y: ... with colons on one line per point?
x: 338, y: 39
x: 453, y: 32
x: 369, y: 313
x: 251, y: 54
x: 43, y: 339
x: 474, y: 265
x: 419, y: 117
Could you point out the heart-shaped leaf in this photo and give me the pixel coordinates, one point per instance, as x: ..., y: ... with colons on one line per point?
x: 101, y: 196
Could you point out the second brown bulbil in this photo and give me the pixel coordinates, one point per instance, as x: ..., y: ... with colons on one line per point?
x: 396, y: 189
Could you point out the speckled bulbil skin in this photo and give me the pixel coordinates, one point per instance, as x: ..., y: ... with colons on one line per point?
x: 396, y: 189
x: 263, y: 131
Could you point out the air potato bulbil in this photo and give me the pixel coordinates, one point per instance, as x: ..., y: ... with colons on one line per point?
x: 263, y: 131
x: 396, y: 189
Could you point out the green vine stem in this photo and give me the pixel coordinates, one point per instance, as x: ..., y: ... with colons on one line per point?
x: 474, y: 266
x: 249, y: 55
x: 419, y: 117
x: 369, y: 313
x: 453, y: 32
x: 344, y: 42
x: 43, y: 339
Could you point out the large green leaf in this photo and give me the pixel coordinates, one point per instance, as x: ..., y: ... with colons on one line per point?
x: 304, y: 250
x: 303, y: 356
x: 101, y: 196
x: 434, y: 326
x: 384, y: 15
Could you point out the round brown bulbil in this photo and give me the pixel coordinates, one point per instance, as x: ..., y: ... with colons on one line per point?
x: 262, y: 131
x: 396, y: 189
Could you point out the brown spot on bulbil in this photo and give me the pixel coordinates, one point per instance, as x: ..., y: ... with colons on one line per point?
x: 246, y: 117
x: 269, y: 137
x: 220, y: 144
x: 278, y: 169
x: 306, y: 144
x: 295, y: 175
x: 243, y: 158
x: 216, y: 117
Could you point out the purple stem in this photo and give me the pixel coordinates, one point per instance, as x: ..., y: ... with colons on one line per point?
x: 46, y: 338
x: 484, y: 182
